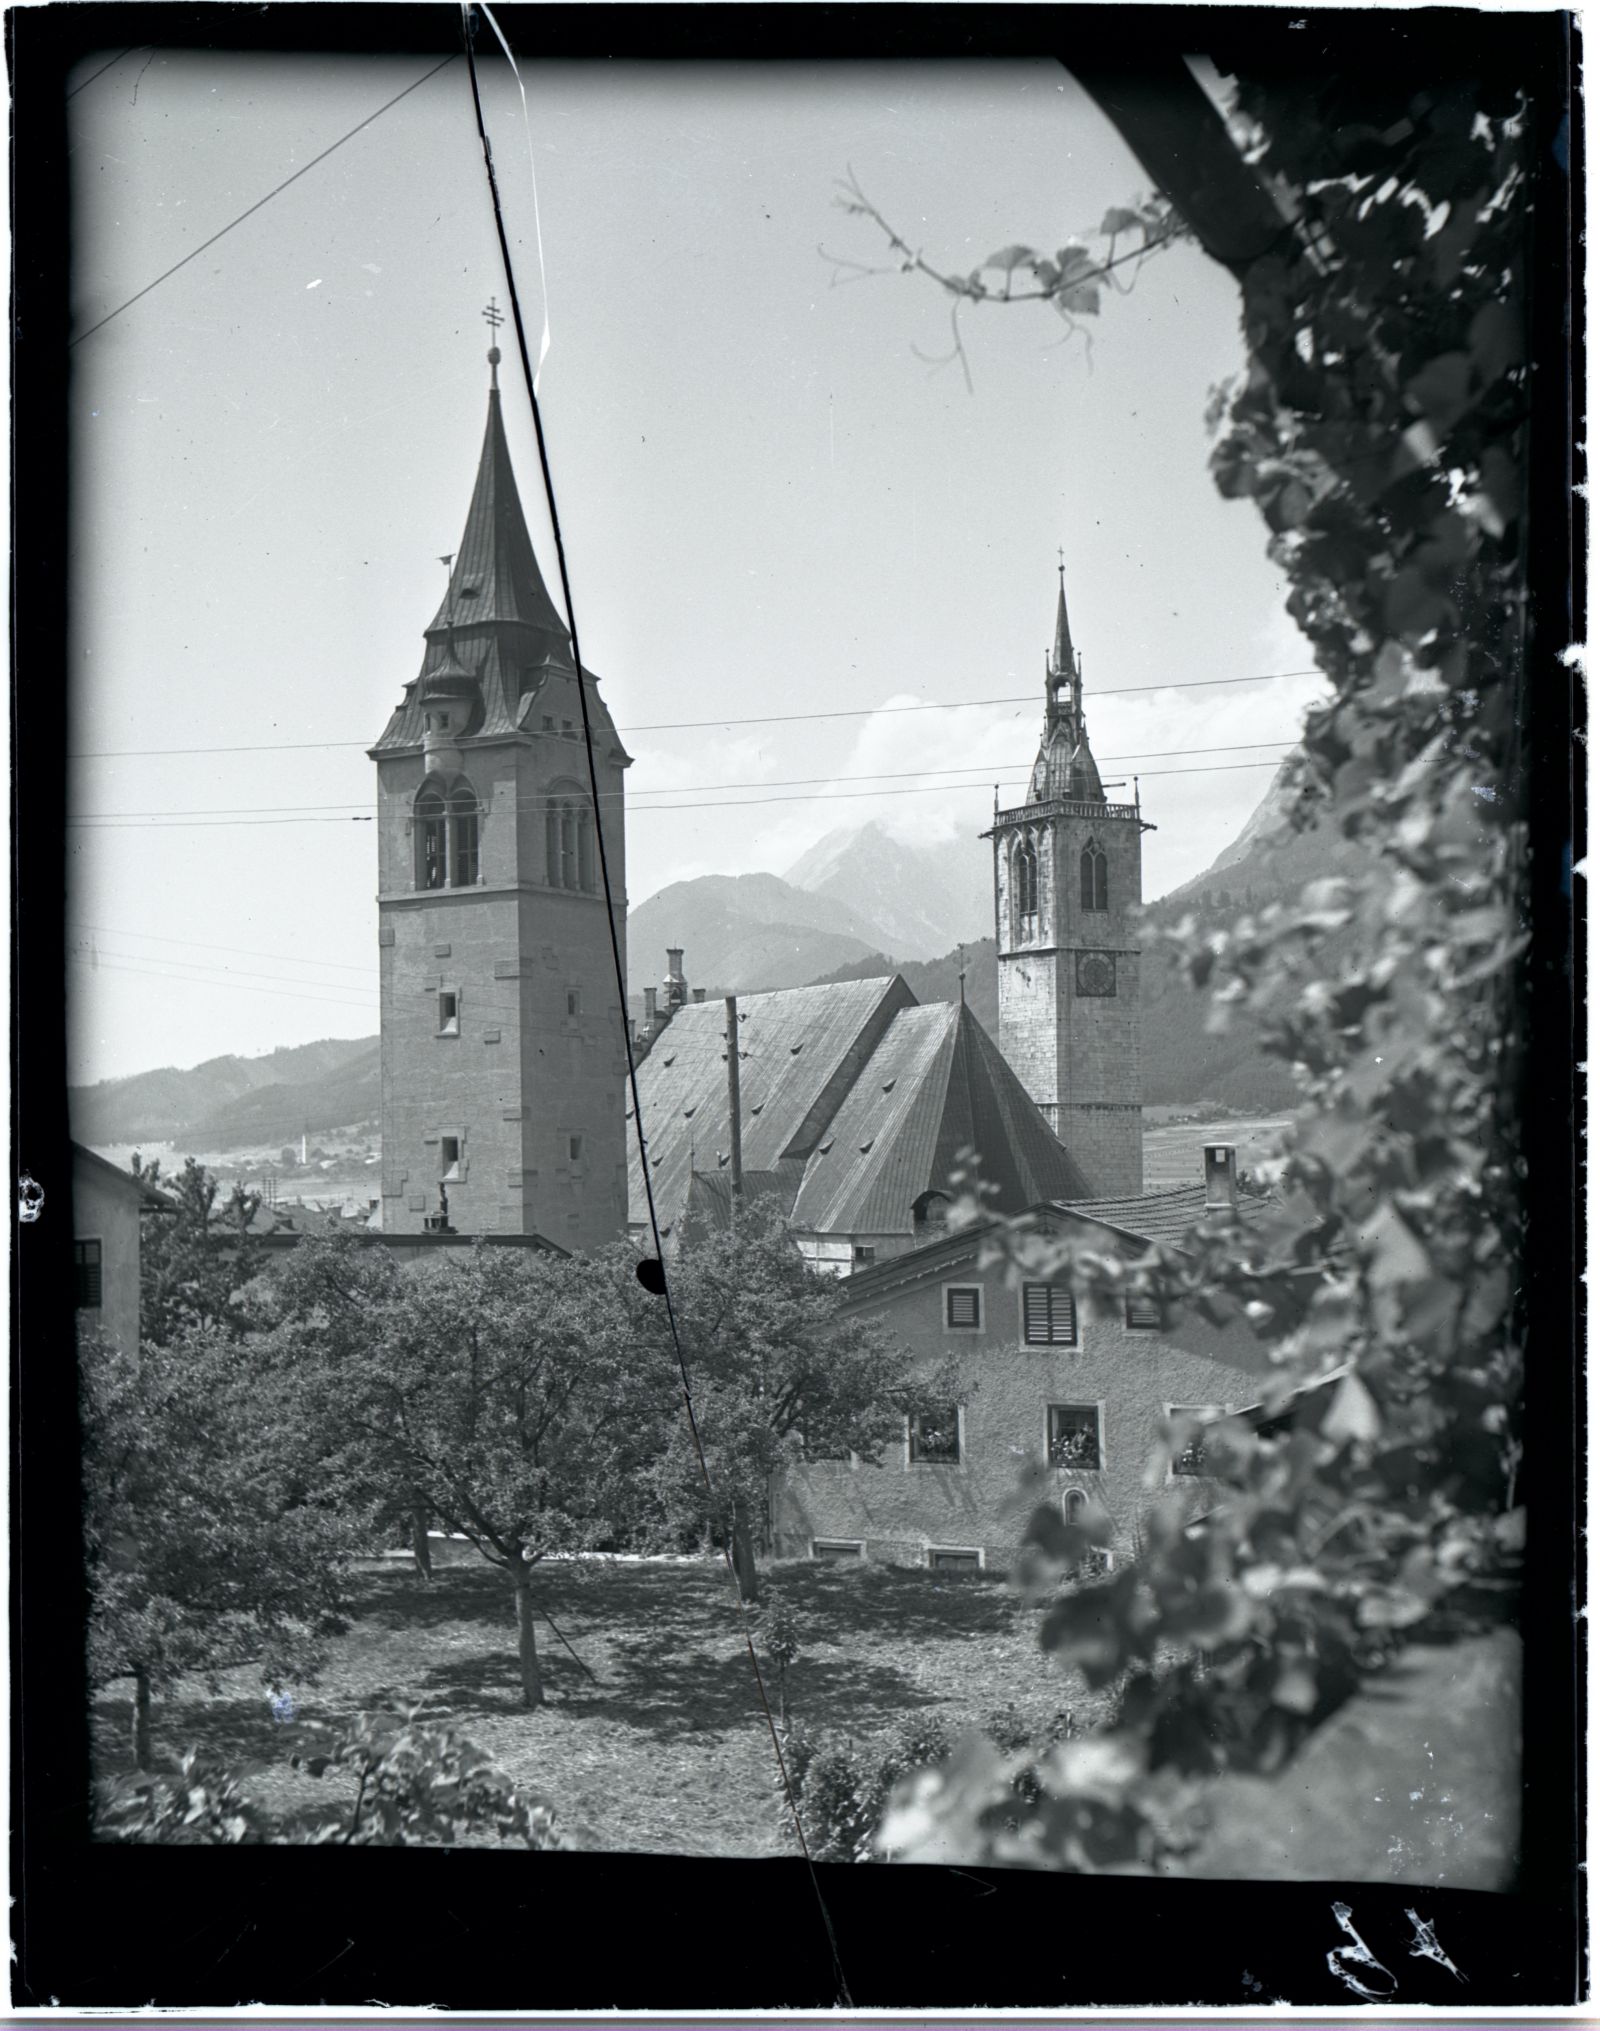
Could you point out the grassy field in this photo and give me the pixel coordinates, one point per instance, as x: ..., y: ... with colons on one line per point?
x: 665, y: 1750
x: 1173, y: 1146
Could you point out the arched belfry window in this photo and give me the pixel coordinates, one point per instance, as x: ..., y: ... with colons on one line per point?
x: 463, y: 842
x: 1024, y: 887
x: 432, y: 844
x: 445, y: 828
x: 1092, y: 874
x: 569, y: 842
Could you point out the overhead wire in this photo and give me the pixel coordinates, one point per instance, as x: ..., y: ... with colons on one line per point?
x: 695, y: 725
x: 617, y: 957
x: 251, y: 210
x: 156, y: 821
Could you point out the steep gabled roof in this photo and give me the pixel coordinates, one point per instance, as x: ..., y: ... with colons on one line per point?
x: 936, y: 1085
x: 496, y: 576
x: 801, y: 1049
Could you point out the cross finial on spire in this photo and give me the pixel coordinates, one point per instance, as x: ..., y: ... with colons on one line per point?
x: 1061, y: 566
x: 494, y: 318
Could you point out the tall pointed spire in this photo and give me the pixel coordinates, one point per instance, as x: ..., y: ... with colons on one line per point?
x: 496, y: 575
x: 1065, y: 766
x: 1062, y: 661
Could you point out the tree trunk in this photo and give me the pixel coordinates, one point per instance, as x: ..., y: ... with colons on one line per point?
x: 141, y: 1719
x: 527, y: 1643
x: 744, y: 1556
x: 419, y: 1540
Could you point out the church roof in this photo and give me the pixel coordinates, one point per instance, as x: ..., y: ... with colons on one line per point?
x: 800, y: 1050
x: 496, y: 576
x: 936, y: 1085
x: 497, y: 636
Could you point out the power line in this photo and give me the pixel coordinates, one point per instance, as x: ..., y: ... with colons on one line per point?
x: 983, y: 771
x: 207, y: 945
x: 156, y: 822
x: 676, y: 725
x: 196, y: 252
x: 180, y: 979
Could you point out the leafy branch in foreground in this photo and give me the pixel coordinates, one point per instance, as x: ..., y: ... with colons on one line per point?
x: 1071, y: 279
x: 1381, y: 429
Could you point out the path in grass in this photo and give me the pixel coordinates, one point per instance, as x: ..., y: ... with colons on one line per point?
x: 668, y: 1751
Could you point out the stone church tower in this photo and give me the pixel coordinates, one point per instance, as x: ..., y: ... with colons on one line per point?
x: 1067, y: 894
x: 502, y: 1035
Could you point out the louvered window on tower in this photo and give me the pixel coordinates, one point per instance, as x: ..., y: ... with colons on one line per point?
x: 1049, y: 1316
x: 1092, y: 874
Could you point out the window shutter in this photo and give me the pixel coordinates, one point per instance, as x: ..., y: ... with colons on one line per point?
x: 961, y: 1305
x: 1143, y: 1313
x: 1049, y: 1316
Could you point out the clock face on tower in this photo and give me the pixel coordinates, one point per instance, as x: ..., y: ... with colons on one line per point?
x: 1097, y: 973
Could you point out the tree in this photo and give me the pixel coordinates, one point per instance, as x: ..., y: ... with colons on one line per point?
x: 1381, y: 226
x: 779, y: 1373
x: 512, y: 1396
x: 199, y: 1556
x: 195, y: 1259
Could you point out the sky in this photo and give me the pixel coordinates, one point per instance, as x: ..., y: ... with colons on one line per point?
x: 775, y: 501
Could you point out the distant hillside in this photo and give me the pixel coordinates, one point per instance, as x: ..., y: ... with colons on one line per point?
x: 939, y: 979
x: 920, y: 900
x: 321, y: 1085
x: 743, y: 933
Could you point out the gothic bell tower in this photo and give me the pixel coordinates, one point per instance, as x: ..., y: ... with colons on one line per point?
x: 502, y: 1030
x: 1067, y: 890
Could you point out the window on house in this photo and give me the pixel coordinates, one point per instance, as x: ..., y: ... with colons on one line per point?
x: 1049, y: 1316
x: 865, y: 1254
x: 834, y: 1551
x: 1142, y: 1312
x: 1092, y: 878
x: 1073, y: 1436
x: 449, y: 1157
x: 430, y: 836
x: 963, y: 1306
x: 1191, y: 1459
x: 463, y: 840
x: 943, y: 1561
x: 1073, y: 1505
x: 936, y: 1437
x: 86, y: 1275
x: 449, y: 1014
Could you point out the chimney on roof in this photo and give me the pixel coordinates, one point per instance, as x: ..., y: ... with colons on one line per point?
x: 677, y: 988
x: 699, y: 994
x: 650, y: 1010
x: 1222, y: 1184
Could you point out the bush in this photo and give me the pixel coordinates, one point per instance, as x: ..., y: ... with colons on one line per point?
x: 418, y: 1785
x: 840, y: 1804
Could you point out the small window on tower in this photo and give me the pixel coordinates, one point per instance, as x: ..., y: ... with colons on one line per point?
x: 449, y: 1157
x: 573, y: 999
x: 574, y: 1149
x: 450, y: 1014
